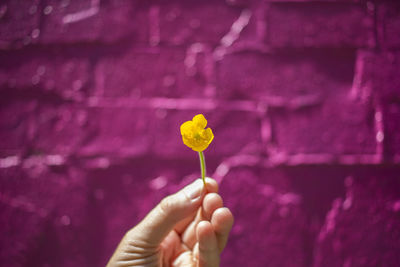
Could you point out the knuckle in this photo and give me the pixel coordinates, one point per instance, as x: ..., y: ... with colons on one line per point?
x: 166, y: 205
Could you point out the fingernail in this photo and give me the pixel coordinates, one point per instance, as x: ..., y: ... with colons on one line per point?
x: 193, y: 191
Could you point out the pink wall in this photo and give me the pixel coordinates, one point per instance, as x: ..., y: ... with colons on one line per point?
x: 303, y: 98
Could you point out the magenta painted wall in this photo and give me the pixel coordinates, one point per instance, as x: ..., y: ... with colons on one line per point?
x: 303, y: 98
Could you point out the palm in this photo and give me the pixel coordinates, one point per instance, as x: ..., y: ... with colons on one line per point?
x: 180, y: 247
x: 174, y: 252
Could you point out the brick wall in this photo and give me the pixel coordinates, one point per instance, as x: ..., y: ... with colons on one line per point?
x: 303, y: 97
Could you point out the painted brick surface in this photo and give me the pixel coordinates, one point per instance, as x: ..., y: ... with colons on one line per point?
x: 385, y: 82
x: 390, y: 20
x: 329, y: 24
x: 183, y: 22
x: 15, y: 127
x: 51, y: 72
x: 91, y: 21
x: 107, y: 136
x: 375, y: 220
x: 357, y: 134
x: 115, y: 75
x: 58, y: 129
x: 392, y: 126
x: 285, y: 76
x: 251, y: 192
x: 19, y: 22
x: 302, y: 96
x: 46, y: 212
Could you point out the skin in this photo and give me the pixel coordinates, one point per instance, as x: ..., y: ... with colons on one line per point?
x: 188, y: 228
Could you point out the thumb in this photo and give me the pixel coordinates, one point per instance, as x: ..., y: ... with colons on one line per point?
x: 172, y: 209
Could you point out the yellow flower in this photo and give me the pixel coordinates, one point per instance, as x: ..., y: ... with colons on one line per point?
x: 194, y: 135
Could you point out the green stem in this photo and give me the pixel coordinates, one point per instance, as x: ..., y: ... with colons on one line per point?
x: 203, y: 167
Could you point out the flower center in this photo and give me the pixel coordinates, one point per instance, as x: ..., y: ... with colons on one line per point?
x: 197, y: 135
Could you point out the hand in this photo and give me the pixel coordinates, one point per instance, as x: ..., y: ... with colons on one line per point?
x: 188, y: 228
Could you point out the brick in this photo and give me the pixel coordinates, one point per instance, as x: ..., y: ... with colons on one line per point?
x: 231, y: 135
x: 319, y: 25
x: 59, y: 129
x: 28, y: 127
x: 286, y: 76
x: 389, y: 24
x: 391, y: 119
x: 317, y: 194
x: 379, y: 72
x: 47, y: 72
x: 19, y: 230
x: 16, y: 131
x: 251, y: 34
x: 40, y: 204
x: 326, y: 129
x: 112, y: 198
x: 241, y: 3
x: 183, y: 22
x: 19, y: 23
x: 266, y: 215
x: 248, y: 31
x: 117, y: 131
x: 90, y: 21
x: 152, y: 73
x: 362, y: 229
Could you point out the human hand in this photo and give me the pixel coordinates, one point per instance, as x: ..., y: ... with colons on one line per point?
x: 188, y: 228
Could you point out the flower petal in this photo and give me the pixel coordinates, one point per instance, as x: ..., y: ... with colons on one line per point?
x: 200, y: 121
x: 187, y: 128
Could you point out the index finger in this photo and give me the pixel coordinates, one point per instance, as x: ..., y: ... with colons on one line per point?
x: 191, y: 221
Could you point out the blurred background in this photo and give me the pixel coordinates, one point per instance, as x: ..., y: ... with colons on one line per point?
x: 303, y: 98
